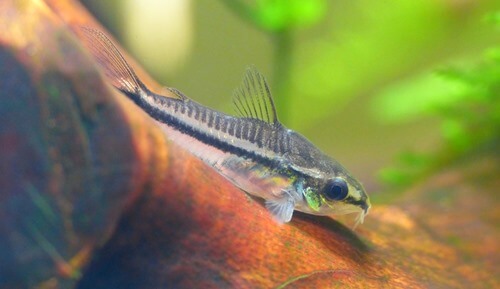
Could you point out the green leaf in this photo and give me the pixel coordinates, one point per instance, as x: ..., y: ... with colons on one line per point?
x: 277, y: 15
x: 412, y: 98
x: 493, y: 17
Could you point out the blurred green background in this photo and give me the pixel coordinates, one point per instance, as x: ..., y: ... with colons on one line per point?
x: 391, y: 89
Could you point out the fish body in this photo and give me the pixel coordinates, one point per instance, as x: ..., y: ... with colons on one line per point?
x: 253, y: 149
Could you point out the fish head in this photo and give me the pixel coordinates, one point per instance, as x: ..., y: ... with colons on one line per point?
x: 336, y: 194
x: 344, y: 194
x: 327, y: 187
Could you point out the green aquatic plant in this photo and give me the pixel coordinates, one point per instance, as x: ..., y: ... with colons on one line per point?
x: 465, y: 99
x: 278, y: 19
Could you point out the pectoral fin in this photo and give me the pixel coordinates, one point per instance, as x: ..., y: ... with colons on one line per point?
x: 281, y: 209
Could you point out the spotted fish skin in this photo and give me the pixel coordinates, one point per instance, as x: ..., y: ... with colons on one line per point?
x: 253, y: 149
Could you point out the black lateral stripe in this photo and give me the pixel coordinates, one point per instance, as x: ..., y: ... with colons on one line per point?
x: 161, y: 115
x: 359, y: 203
x: 164, y: 117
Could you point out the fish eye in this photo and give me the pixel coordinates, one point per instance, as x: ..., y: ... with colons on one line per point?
x: 336, y: 190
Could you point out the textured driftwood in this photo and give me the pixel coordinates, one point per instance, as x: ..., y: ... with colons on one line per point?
x: 94, y: 196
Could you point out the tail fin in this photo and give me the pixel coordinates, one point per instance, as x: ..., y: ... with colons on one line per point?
x: 116, y: 68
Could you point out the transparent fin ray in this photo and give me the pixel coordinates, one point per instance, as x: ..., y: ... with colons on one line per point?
x: 281, y: 209
x: 116, y: 68
x: 119, y: 72
x: 253, y: 99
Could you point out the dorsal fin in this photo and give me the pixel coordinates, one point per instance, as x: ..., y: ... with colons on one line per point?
x: 252, y: 99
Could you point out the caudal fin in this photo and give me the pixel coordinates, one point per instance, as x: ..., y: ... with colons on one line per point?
x: 116, y: 68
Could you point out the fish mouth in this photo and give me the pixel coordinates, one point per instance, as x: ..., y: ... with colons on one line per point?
x: 366, y: 208
x: 360, y: 218
x: 359, y: 213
